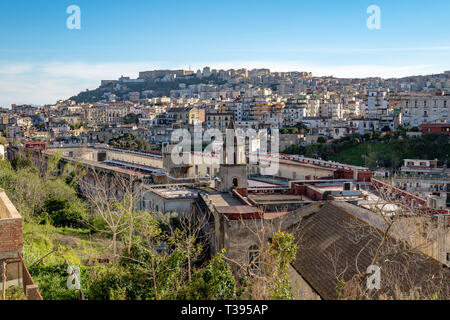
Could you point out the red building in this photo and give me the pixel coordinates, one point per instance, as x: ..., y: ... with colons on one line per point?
x: 440, y: 128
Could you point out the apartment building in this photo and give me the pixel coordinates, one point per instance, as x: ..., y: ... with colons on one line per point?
x: 219, y: 120
x: 377, y: 105
x: 293, y: 114
x: 420, y: 109
x: 187, y: 116
x: 331, y: 110
x: 106, y: 114
x: 425, y: 179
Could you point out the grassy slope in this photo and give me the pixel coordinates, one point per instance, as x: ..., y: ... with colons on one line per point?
x: 430, y: 147
x: 354, y: 155
x: 76, y: 246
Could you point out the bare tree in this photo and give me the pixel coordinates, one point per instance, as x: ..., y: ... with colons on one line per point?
x: 189, y: 237
x: 398, y: 235
x: 112, y: 199
x: 261, y: 264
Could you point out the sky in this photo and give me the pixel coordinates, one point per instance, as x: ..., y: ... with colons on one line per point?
x: 41, y: 60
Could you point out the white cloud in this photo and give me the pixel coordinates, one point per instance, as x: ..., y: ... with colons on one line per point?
x: 93, y: 71
x: 48, y: 82
x: 15, y: 69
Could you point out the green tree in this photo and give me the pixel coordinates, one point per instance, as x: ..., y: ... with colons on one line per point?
x: 214, y: 282
x: 282, y: 252
x: 321, y: 140
x: 131, y: 118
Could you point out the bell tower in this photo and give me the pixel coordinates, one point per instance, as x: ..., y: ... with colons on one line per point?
x: 233, y: 169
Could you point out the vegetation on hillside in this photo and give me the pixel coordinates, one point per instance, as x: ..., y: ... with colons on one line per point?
x: 374, y: 150
x: 159, y: 88
x: 300, y: 128
x: 131, y: 118
x: 130, y: 141
x: 122, y: 253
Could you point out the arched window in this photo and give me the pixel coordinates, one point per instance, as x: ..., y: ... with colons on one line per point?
x: 253, y: 258
x: 235, y: 182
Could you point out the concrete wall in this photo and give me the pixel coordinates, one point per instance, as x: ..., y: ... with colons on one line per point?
x: 153, y: 202
x: 237, y: 236
x: 432, y: 237
x: 301, y: 290
x: 11, y: 241
x: 93, y: 155
x: 135, y: 159
x: 291, y: 171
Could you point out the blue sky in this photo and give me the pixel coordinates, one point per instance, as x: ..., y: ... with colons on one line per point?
x: 41, y: 60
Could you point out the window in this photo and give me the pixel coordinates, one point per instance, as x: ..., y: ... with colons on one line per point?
x: 448, y: 256
x: 253, y: 258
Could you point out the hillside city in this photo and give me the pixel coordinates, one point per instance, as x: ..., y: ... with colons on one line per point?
x: 287, y: 186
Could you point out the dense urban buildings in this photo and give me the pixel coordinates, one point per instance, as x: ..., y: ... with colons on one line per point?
x: 256, y: 161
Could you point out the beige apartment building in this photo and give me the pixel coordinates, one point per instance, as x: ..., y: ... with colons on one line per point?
x: 419, y: 109
x: 106, y: 114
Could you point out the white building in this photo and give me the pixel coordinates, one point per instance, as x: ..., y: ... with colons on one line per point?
x: 333, y: 111
x: 419, y: 109
x: 172, y: 198
x: 293, y: 114
x: 377, y: 105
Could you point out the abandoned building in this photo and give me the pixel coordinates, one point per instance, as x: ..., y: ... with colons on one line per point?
x: 13, y: 272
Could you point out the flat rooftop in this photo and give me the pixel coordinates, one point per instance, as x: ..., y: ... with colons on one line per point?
x: 260, y: 199
x: 175, y: 192
x: 255, y: 183
x: 223, y: 200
